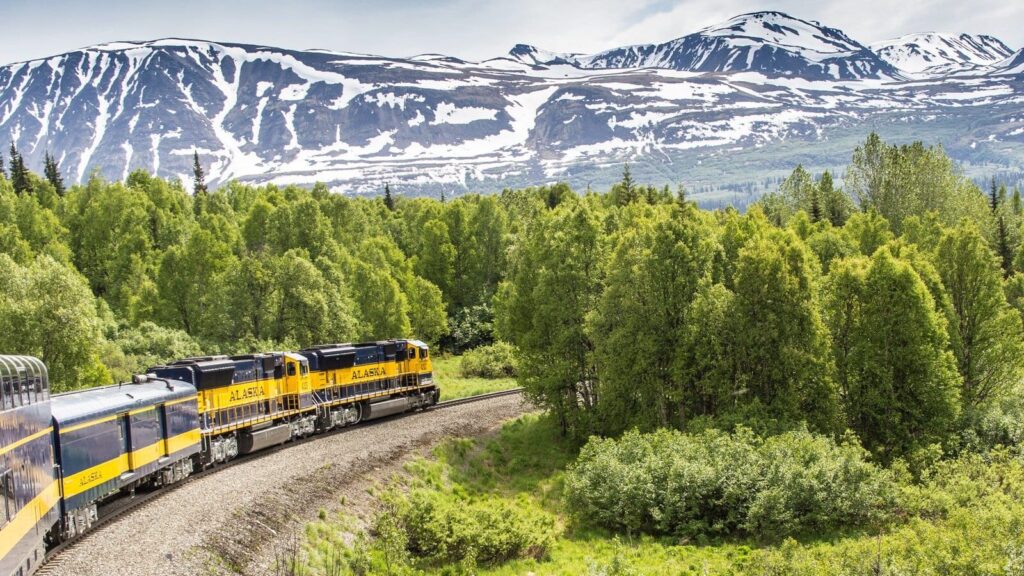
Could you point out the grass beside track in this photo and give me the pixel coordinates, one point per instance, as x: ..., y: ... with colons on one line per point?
x: 965, y: 522
x: 454, y: 385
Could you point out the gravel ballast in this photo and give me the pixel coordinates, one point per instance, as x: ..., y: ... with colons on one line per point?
x: 224, y: 522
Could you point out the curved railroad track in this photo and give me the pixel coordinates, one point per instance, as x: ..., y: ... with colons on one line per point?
x: 121, y: 505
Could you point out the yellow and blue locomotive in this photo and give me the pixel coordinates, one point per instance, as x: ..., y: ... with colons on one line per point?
x: 247, y: 403
x: 63, y: 457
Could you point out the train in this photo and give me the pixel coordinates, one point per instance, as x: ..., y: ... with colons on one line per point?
x: 62, y: 456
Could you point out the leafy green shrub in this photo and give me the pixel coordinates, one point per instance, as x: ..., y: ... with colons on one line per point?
x: 964, y: 519
x: 494, y: 361
x: 468, y: 328
x: 449, y: 529
x: 716, y: 483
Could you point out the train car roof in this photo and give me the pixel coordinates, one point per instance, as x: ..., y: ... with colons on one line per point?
x: 84, y: 405
x: 329, y: 350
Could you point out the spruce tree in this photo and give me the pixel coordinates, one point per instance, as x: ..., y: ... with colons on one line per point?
x: 627, y: 192
x: 993, y: 196
x: 1004, y: 246
x: 19, y: 174
x: 52, y: 172
x: 1015, y: 202
x: 388, y: 200
x: 815, y: 206
x: 199, y: 185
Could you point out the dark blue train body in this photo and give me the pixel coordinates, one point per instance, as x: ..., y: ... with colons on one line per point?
x: 61, y: 456
x: 121, y: 437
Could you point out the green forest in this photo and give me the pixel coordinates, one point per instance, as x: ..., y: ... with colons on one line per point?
x: 842, y: 361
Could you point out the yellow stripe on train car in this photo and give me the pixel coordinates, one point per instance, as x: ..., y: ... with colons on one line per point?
x: 147, y: 455
x: 113, y: 468
x: 183, y: 440
x: 88, y: 424
x: 26, y: 518
x: 92, y: 477
x: 25, y: 440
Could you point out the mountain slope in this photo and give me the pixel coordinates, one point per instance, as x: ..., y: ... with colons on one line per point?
x: 771, y: 43
x: 264, y: 114
x: 1012, y: 65
x: 939, y: 54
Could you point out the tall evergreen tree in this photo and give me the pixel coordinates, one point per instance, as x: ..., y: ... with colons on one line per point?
x: 3, y: 171
x: 626, y: 190
x: 1003, y: 246
x: 19, y: 174
x: 993, y: 196
x: 1015, y: 202
x: 199, y: 184
x: 627, y: 181
x: 816, y: 215
x: 681, y: 195
x: 388, y: 200
x: 52, y: 172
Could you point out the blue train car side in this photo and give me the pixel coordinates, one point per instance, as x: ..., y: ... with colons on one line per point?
x: 29, y: 488
x: 118, y: 438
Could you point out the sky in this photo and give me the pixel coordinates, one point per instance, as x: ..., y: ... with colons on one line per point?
x: 473, y: 30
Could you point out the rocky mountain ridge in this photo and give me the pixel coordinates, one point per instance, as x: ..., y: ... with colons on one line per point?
x: 765, y: 87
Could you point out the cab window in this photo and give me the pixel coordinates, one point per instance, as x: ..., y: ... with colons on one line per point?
x: 291, y: 369
x: 303, y: 369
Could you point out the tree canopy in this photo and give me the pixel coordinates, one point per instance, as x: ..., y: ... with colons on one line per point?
x: 890, y: 303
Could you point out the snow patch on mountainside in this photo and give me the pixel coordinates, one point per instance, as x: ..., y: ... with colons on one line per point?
x: 935, y: 53
x: 448, y: 113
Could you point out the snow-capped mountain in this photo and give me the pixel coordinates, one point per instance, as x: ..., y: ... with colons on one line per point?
x: 771, y: 43
x: 534, y: 56
x: 725, y: 106
x: 1012, y: 65
x: 935, y: 54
